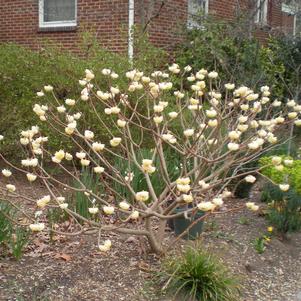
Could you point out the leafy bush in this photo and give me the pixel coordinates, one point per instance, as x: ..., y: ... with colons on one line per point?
x: 12, y: 238
x: 196, y: 275
x: 284, y: 210
x: 290, y: 174
x: 23, y: 72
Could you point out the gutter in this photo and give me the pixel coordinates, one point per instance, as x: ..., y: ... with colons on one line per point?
x: 130, y: 32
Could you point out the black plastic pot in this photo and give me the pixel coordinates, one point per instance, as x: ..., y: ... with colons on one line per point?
x: 180, y: 224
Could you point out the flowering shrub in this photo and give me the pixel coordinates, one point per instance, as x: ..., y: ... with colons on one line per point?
x: 215, y: 131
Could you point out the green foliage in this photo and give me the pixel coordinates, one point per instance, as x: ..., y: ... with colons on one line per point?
x: 284, y: 208
x: 80, y: 201
x: 24, y: 72
x: 259, y: 245
x: 290, y: 174
x: 12, y: 238
x: 198, y: 275
x: 138, y: 181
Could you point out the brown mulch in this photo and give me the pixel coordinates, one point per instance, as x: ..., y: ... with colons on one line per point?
x: 71, y: 268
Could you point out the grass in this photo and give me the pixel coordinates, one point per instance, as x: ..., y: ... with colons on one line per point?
x: 196, y: 275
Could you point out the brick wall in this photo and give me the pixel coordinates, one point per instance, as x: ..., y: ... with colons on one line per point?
x: 19, y: 22
x: 109, y: 19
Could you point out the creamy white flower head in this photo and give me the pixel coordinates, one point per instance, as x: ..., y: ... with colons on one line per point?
x: 70, y: 102
x: 89, y: 134
x: 279, y: 167
x: 89, y: 74
x: 147, y: 166
x: 250, y: 179
x: 284, y: 187
x: 292, y: 115
x: 106, y: 246
x: 85, y: 162
x: 279, y: 120
x: 297, y: 108
x: 212, y: 122
x: 165, y: 86
x: 84, y: 96
x: 173, y: 115
x: 242, y: 119
x: 252, y: 206
x: 124, y: 205
x: 134, y: 215
x: 226, y: 193
x: 233, y: 146
x: 288, y: 162
x: 48, y: 88
x: 98, y: 169
x: 229, y: 86
x: 97, y: 146
x: 63, y: 205
x: 276, y: 160
x: 6, y: 172
x: 185, y: 188
x: 183, y: 181
x: 31, y: 177
x: 158, y: 108
x: 61, y: 109
x: 262, y: 133
x: 206, y: 206
x: 218, y: 201
x: 93, y: 210
x: 211, y: 113
x: 188, y: 132
x: 145, y: 79
x: 213, y: 74
x: 272, y: 139
x: 191, y: 78
x: 195, y: 88
x: 115, y: 141
x: 40, y: 94
x: 11, y: 187
x: 234, y: 135
x: 30, y: 162
x: 203, y: 184
x: 108, y: 111
x: 241, y: 91
x: 187, y: 198
x: 121, y: 123
x: 1, y: 137
x: 276, y: 103
x: 40, y: 110
x: 129, y: 177
x: 114, y: 75
x: 68, y: 156
x: 103, y: 95
x: 106, y: 71
x: 37, y: 227
x: 252, y: 97
x: 297, y: 122
x: 42, y: 202
x: 158, y: 119
x: 253, y: 145
x: 174, y: 68
x: 115, y: 110
x: 80, y: 155
x: 82, y: 82
x: 142, y: 196
x: 179, y: 94
x: 199, y: 75
x: 114, y: 90
x: 59, y: 155
x: 291, y: 103
x: 109, y: 210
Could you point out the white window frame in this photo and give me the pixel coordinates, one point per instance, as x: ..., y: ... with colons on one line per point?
x: 191, y: 23
x: 290, y: 10
x: 261, y: 8
x: 54, y: 24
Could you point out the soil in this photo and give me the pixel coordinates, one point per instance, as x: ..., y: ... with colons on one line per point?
x: 71, y: 268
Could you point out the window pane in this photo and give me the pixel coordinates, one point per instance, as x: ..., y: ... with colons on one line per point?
x: 59, y: 10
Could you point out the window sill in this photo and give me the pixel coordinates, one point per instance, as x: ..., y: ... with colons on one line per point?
x: 57, y: 29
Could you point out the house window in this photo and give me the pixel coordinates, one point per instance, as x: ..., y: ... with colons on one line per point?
x: 261, y: 13
x: 195, y: 9
x: 57, y: 13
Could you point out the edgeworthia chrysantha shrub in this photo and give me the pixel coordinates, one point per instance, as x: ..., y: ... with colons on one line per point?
x: 215, y: 130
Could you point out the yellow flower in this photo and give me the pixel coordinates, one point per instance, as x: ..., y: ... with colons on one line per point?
x: 270, y: 229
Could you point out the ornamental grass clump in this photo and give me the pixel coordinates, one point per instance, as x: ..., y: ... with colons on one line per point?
x: 213, y: 131
x: 196, y: 275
